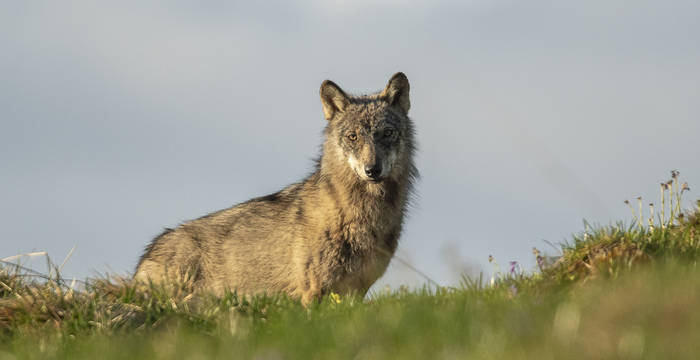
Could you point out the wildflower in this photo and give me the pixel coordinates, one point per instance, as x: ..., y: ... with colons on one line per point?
x: 490, y: 258
x: 540, y: 259
x: 675, y: 173
x: 540, y: 262
x: 335, y: 298
x: 685, y: 187
x: 513, y: 264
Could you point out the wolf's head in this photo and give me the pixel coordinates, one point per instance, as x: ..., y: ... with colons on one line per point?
x: 370, y: 135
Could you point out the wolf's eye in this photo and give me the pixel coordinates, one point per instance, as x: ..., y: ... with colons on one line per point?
x: 352, y: 136
x: 388, y: 133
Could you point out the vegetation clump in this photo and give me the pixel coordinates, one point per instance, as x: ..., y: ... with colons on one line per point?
x: 614, y: 292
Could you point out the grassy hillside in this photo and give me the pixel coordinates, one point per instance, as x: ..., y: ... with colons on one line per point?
x: 615, y: 292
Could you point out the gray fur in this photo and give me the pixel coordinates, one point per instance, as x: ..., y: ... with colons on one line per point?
x: 334, y: 231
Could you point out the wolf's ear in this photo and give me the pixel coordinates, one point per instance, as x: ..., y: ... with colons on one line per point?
x: 333, y: 99
x: 396, y: 92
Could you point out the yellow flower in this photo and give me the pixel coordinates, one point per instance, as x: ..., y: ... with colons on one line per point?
x: 335, y: 298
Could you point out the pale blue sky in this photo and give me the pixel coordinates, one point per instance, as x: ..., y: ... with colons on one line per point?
x: 119, y: 119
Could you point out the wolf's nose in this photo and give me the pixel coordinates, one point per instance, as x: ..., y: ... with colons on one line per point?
x: 373, y: 171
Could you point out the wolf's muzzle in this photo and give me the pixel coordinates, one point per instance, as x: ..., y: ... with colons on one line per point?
x: 373, y: 172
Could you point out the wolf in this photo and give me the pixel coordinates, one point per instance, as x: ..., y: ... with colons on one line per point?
x: 334, y: 231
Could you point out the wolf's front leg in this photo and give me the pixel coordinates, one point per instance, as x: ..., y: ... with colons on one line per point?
x: 311, y: 296
x: 309, y: 286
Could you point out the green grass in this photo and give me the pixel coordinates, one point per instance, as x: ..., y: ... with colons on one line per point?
x: 615, y: 292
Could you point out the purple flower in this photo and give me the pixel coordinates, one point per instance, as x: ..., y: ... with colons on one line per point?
x: 513, y: 264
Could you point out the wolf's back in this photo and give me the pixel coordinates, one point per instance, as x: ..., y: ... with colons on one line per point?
x: 244, y: 246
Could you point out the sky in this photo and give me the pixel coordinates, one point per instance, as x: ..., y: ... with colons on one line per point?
x: 118, y: 119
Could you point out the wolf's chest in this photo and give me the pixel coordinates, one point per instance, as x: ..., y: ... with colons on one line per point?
x: 362, y: 256
x: 361, y: 276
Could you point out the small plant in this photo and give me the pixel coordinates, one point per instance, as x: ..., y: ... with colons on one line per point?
x: 671, y: 204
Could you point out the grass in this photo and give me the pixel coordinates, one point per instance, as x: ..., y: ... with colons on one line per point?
x: 615, y: 292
